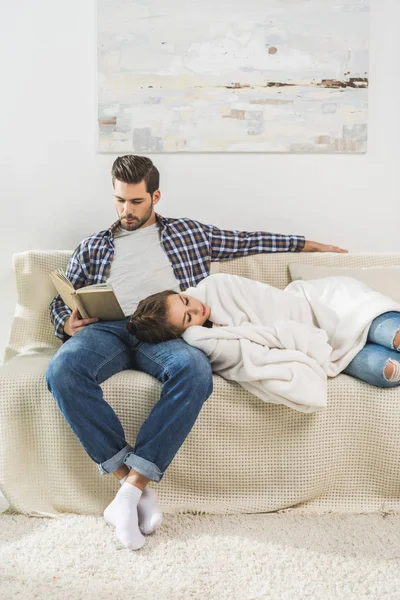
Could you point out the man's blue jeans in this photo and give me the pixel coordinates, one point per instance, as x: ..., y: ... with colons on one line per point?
x: 99, y: 351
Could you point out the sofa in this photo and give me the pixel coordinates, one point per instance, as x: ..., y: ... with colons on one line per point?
x: 243, y: 455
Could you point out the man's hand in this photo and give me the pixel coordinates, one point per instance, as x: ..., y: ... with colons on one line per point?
x: 75, y: 323
x: 317, y: 247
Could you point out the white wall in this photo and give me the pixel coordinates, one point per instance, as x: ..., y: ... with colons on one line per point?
x: 55, y: 189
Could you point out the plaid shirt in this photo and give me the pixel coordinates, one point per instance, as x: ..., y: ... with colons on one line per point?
x: 189, y: 245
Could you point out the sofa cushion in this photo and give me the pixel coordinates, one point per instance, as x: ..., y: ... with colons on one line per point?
x: 385, y: 280
x: 242, y: 454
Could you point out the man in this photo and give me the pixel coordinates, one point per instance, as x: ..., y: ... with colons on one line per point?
x: 142, y: 253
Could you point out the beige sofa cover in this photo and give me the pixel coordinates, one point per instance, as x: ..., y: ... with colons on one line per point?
x: 242, y: 455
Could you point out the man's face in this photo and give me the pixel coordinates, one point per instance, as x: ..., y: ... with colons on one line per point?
x: 134, y: 205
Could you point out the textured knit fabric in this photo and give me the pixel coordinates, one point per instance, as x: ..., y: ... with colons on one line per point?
x: 242, y: 455
x: 189, y: 245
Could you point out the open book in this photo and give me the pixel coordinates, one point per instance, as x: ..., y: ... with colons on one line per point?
x: 96, y: 300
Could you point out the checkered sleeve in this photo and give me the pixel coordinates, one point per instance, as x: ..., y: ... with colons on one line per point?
x: 59, y: 312
x: 228, y: 244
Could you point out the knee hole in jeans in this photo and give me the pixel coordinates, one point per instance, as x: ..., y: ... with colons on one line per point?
x: 396, y: 341
x: 388, y: 370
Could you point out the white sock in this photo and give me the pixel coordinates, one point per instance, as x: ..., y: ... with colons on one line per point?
x: 149, y: 513
x: 395, y: 376
x: 122, y: 512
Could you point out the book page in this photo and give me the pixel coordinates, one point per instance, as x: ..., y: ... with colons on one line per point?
x: 97, y: 286
x: 67, y: 291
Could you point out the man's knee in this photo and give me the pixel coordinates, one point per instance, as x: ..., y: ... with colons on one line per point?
x: 195, y: 360
x: 60, y: 366
x: 194, y: 365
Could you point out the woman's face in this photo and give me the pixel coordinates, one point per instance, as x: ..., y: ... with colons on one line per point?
x: 184, y: 311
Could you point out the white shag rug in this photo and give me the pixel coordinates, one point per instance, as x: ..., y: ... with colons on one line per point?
x: 278, y: 556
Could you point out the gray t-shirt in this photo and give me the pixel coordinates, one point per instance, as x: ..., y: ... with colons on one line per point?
x: 140, y: 267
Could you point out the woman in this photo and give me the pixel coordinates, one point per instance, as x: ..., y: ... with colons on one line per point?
x: 281, y: 344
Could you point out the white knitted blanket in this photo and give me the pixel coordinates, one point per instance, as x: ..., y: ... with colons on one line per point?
x: 281, y: 345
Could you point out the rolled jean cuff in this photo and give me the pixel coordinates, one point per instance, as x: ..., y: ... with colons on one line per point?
x: 143, y: 466
x: 116, y: 461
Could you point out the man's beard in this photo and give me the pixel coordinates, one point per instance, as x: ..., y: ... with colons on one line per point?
x: 137, y: 223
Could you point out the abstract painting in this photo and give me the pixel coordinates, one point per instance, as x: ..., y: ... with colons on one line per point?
x: 233, y: 76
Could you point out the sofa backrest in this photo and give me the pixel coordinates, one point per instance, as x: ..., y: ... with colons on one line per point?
x: 274, y: 270
x: 32, y: 331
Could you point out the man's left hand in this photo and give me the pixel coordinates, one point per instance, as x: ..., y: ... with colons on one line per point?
x: 317, y: 247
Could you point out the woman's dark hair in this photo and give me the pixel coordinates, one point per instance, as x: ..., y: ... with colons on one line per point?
x: 149, y: 322
x: 134, y: 169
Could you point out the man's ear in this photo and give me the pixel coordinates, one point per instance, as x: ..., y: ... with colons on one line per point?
x: 156, y: 196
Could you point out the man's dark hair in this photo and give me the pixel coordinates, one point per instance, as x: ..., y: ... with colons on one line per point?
x: 134, y: 169
x: 149, y: 322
